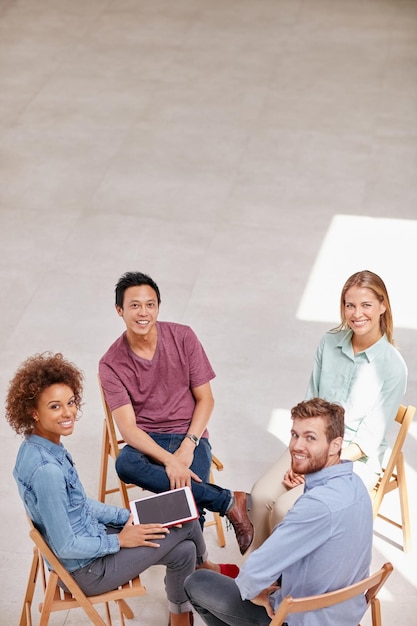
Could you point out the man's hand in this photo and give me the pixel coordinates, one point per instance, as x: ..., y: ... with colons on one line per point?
x: 135, y: 535
x: 185, y: 453
x: 179, y: 474
x: 291, y: 479
x: 264, y: 599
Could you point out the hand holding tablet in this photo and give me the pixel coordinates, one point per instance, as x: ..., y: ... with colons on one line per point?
x: 168, y: 508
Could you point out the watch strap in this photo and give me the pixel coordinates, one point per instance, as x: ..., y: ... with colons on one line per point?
x: 193, y: 438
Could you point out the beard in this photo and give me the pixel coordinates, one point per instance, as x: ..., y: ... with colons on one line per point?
x: 309, y: 465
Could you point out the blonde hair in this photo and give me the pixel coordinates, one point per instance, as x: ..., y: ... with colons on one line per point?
x: 369, y: 280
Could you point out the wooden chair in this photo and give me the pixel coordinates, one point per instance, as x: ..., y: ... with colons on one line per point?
x: 111, y: 445
x: 393, y: 477
x: 369, y: 586
x: 56, y: 599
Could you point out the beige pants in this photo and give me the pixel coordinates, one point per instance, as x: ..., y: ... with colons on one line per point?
x: 271, y: 501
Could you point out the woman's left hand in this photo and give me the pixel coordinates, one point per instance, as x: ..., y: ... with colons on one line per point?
x: 291, y: 479
x: 135, y: 535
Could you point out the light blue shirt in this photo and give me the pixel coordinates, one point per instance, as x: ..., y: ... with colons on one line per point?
x: 73, y: 525
x: 323, y: 543
x: 369, y: 385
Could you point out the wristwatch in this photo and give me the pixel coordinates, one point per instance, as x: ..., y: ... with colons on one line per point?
x: 193, y: 438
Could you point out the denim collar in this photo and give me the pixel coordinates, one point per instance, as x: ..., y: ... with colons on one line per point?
x: 56, y: 450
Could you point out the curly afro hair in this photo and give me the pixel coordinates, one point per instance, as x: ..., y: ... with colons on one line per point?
x: 33, y: 376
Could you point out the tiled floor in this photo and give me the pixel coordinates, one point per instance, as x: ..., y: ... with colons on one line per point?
x: 249, y: 155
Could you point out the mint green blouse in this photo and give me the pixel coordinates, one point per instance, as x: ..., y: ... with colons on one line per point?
x: 369, y: 385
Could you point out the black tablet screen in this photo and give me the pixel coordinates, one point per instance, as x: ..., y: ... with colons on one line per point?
x: 164, y: 508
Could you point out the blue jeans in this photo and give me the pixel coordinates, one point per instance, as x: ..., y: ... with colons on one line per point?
x: 217, y: 600
x: 179, y: 551
x: 135, y: 467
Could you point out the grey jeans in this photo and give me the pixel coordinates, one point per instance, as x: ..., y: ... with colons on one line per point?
x: 217, y: 600
x: 180, y: 550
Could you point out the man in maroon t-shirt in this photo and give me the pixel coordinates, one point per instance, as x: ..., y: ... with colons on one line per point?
x: 156, y: 380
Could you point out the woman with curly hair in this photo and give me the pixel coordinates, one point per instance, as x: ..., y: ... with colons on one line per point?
x: 358, y: 366
x: 97, y: 543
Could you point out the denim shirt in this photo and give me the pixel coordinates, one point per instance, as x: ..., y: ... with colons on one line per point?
x: 73, y: 525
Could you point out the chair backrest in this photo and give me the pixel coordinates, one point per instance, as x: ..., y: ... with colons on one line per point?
x: 55, y: 599
x: 394, y: 477
x: 404, y: 417
x: 369, y: 586
x: 114, y: 440
x: 110, y: 447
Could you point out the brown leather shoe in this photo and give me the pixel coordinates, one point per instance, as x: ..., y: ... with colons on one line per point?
x: 238, y: 517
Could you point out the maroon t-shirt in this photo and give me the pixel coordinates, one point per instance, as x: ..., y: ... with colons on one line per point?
x: 159, y: 390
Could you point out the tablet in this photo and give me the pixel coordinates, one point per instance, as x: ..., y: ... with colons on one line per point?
x: 167, y: 508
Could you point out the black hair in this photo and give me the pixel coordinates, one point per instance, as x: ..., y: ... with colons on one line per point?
x: 134, y: 279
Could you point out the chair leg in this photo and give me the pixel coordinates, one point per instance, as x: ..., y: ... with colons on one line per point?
x: 125, y: 609
x: 45, y: 606
x: 108, y: 614
x: 376, y: 612
x: 26, y: 614
x: 405, y: 512
x: 217, y: 521
x: 219, y: 529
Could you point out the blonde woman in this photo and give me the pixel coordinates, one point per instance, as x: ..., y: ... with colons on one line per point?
x: 358, y: 366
